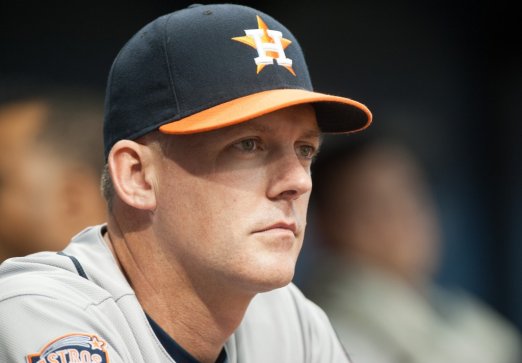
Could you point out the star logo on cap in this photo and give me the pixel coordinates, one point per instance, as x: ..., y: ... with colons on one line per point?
x: 270, y: 46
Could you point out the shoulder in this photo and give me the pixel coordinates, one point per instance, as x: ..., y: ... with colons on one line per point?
x: 46, y: 274
x: 46, y: 306
x: 84, y: 273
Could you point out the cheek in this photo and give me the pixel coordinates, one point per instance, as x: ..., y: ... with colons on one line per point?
x: 198, y: 211
x: 302, y: 204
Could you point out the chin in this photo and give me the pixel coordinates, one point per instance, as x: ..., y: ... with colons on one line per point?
x: 267, y: 279
x: 267, y: 269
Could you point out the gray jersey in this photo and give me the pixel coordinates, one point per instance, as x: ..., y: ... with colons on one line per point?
x: 77, y: 307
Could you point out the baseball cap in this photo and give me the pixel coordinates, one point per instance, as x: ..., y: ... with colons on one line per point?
x: 210, y: 66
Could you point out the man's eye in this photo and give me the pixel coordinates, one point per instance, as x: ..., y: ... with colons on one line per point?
x: 306, y: 151
x: 247, y: 145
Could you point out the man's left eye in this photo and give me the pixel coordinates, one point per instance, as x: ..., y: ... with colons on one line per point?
x: 306, y: 151
x: 247, y: 145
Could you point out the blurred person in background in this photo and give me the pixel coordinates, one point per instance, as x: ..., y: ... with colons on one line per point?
x: 377, y: 221
x: 50, y: 166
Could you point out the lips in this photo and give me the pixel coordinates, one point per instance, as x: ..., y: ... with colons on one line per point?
x: 290, y: 226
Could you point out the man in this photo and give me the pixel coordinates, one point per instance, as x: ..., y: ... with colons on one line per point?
x: 211, y: 126
x: 50, y: 166
x: 377, y: 219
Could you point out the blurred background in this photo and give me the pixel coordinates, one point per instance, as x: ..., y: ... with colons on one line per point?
x: 445, y: 77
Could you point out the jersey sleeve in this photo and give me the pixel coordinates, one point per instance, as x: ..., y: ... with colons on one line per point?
x: 35, y: 328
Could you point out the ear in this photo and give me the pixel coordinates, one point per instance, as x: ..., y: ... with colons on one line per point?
x: 132, y: 171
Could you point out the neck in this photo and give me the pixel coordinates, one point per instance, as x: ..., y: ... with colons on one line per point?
x: 199, y: 314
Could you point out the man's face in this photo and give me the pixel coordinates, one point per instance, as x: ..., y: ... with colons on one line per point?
x: 232, y: 203
x: 27, y: 183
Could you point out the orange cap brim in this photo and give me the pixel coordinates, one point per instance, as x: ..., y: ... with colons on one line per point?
x: 258, y: 104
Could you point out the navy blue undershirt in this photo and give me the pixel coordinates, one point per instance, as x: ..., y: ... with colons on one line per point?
x: 176, y: 352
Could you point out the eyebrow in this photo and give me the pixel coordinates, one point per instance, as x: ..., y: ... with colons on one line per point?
x: 310, y: 133
x: 258, y: 127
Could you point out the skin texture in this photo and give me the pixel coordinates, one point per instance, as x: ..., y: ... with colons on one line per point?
x: 209, y: 220
x: 44, y: 199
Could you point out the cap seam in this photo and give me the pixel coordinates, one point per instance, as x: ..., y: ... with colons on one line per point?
x: 166, y: 59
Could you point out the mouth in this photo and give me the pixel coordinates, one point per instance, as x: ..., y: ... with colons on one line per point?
x: 280, y: 227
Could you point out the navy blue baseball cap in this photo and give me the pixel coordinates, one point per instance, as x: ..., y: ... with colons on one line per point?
x: 210, y: 66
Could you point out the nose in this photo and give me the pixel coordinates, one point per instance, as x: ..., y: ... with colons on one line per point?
x: 290, y: 178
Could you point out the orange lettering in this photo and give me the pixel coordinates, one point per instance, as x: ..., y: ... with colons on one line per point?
x: 74, y: 356
x: 85, y: 356
x: 61, y: 354
x: 52, y: 358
